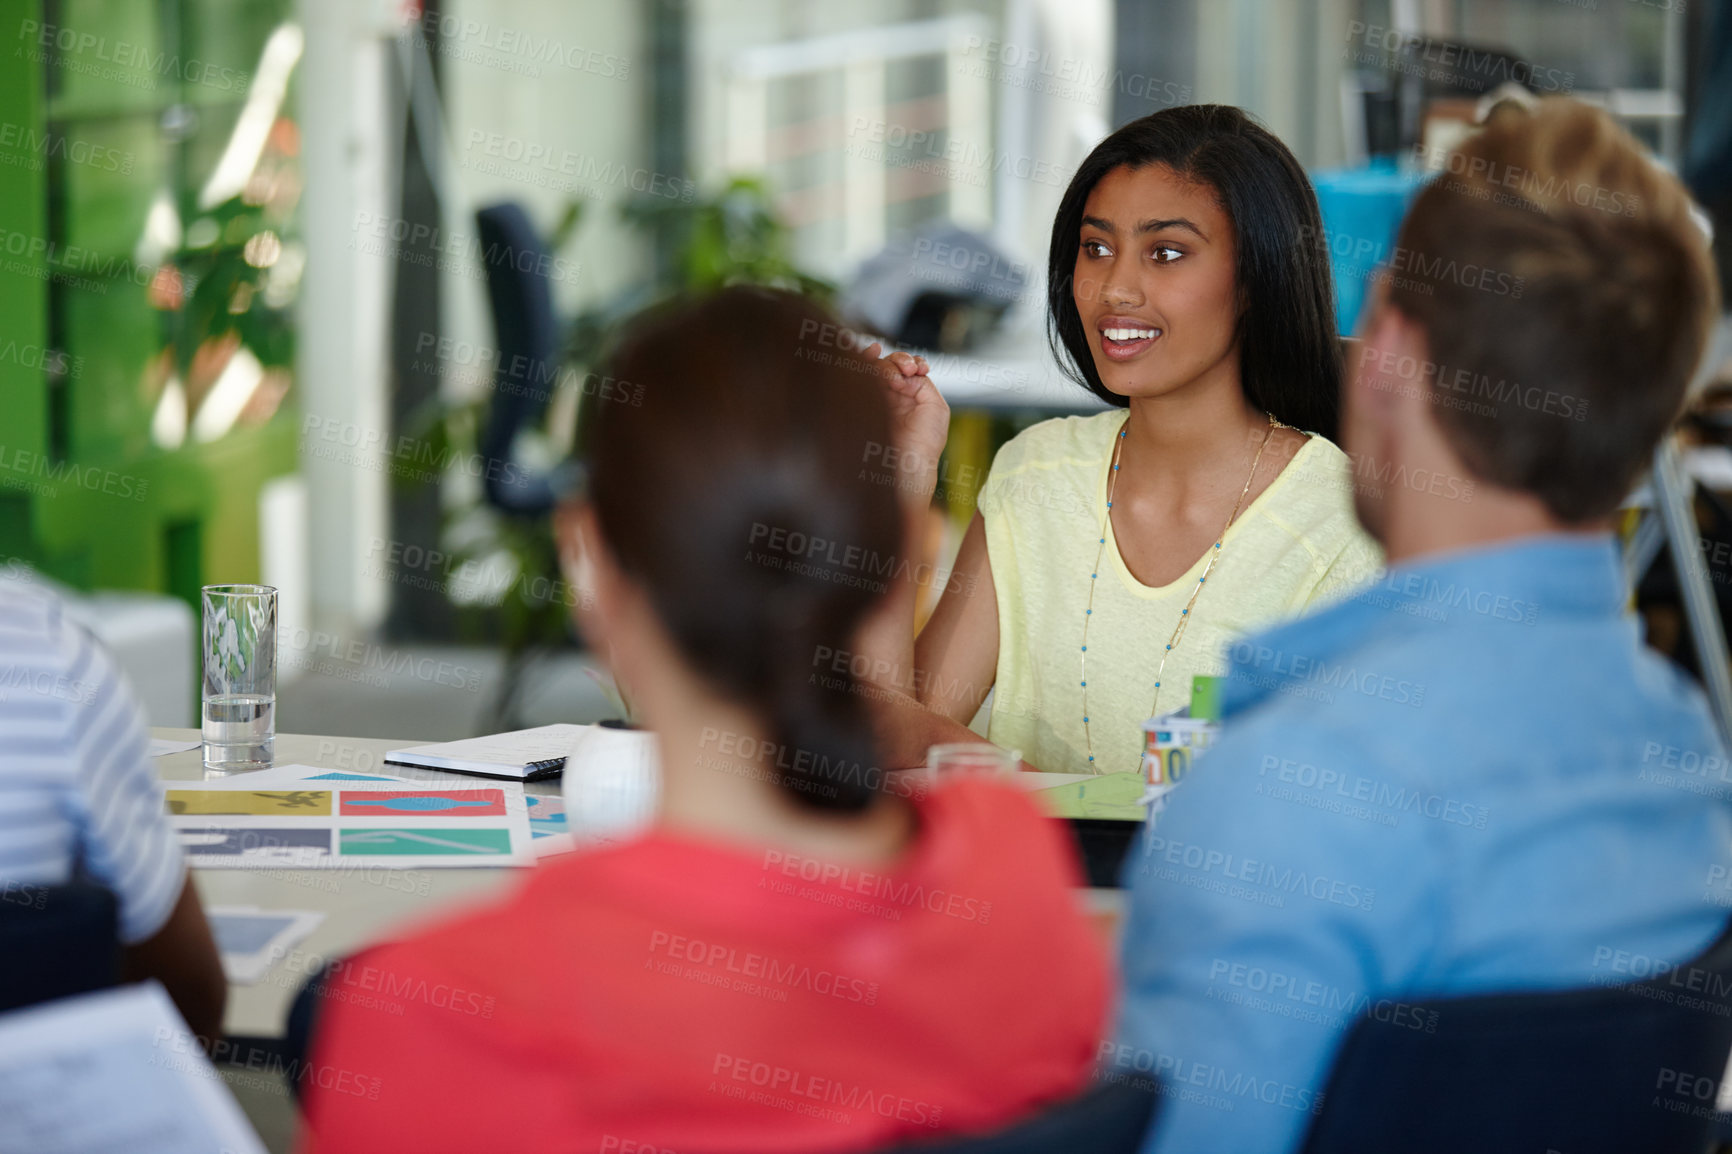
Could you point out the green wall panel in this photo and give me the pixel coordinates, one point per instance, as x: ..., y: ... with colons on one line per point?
x: 107, y: 172
x: 204, y: 147
x: 225, y: 39
x: 118, y: 331
x: 109, y: 525
x: 109, y: 56
x: 23, y: 266
x: 129, y: 100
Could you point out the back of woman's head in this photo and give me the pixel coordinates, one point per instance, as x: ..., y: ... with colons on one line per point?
x: 1289, y: 354
x: 735, y: 490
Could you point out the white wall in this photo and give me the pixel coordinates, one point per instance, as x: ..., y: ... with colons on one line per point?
x: 587, y: 103
x: 1283, y: 61
x: 573, y: 84
x: 344, y: 302
x: 1047, y: 68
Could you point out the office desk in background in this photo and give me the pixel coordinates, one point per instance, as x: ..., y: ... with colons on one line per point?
x: 363, y: 905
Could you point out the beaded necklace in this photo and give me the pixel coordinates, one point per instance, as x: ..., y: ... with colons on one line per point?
x: 1184, y: 614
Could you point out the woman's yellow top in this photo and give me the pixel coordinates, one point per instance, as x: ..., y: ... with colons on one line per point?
x: 1296, y: 545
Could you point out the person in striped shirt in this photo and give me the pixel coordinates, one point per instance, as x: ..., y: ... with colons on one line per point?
x: 79, y: 799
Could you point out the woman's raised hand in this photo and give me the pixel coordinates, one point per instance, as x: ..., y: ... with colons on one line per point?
x: 919, y: 423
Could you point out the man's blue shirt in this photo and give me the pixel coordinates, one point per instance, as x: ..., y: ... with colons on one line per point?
x: 1469, y: 778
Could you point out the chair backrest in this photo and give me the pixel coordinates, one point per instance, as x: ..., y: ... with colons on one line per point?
x: 56, y: 941
x: 1113, y: 1117
x: 526, y: 331
x: 1609, y: 1068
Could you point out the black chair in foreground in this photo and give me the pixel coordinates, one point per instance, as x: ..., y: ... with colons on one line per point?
x: 1112, y: 1117
x: 56, y: 941
x: 1612, y: 1069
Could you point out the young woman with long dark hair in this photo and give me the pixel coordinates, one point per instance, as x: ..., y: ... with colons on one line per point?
x: 1113, y: 557
x: 794, y: 956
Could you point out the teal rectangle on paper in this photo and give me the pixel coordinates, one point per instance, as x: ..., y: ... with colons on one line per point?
x: 424, y: 842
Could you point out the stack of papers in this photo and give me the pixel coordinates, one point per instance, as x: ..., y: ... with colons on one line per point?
x: 115, y: 1072
x: 521, y: 755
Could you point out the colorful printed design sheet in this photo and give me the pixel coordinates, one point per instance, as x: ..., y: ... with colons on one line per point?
x: 231, y: 824
x: 547, y: 824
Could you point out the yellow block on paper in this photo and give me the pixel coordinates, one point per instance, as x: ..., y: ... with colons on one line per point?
x: 252, y: 803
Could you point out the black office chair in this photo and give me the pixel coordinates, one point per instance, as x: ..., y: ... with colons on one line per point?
x: 1433, y: 68
x: 1113, y: 1117
x: 1615, y: 1068
x: 56, y: 941
x: 527, y: 333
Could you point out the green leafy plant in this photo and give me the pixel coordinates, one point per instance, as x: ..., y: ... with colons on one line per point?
x: 733, y: 236
x: 226, y: 264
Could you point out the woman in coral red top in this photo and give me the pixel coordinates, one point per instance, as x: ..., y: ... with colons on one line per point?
x: 798, y: 955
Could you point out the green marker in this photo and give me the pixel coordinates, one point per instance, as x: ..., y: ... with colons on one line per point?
x: 1206, y: 697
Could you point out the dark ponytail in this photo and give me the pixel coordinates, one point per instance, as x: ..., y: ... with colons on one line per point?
x: 825, y: 715
x: 735, y: 486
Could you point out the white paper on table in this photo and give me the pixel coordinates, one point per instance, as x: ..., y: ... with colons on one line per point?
x: 252, y: 940
x: 278, y: 774
x: 162, y: 746
x: 1157, y: 793
x: 317, y: 841
x: 115, y: 1072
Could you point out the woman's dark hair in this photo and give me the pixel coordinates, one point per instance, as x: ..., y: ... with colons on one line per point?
x: 1289, y: 356
x: 734, y: 484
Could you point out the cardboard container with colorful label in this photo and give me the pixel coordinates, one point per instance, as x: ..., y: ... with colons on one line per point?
x: 1173, y: 741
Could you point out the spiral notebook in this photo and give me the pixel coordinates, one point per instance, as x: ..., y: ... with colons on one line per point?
x: 521, y: 755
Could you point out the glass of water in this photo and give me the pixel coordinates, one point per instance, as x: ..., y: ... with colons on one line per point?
x: 240, y: 676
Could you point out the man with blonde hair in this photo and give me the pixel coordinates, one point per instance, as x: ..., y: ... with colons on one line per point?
x: 1472, y: 777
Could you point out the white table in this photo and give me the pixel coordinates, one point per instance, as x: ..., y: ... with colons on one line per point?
x: 362, y: 906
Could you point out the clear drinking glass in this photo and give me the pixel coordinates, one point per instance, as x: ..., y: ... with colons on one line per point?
x: 970, y: 757
x: 240, y: 676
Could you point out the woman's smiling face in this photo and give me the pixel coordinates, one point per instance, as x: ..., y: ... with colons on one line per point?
x: 1154, y: 284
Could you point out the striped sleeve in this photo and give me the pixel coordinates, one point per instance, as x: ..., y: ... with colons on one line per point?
x: 128, y: 842
x: 78, y: 794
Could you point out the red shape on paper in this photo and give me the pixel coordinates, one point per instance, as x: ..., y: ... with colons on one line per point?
x: 423, y: 803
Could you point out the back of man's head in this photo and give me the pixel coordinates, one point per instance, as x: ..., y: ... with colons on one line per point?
x: 1566, y: 294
